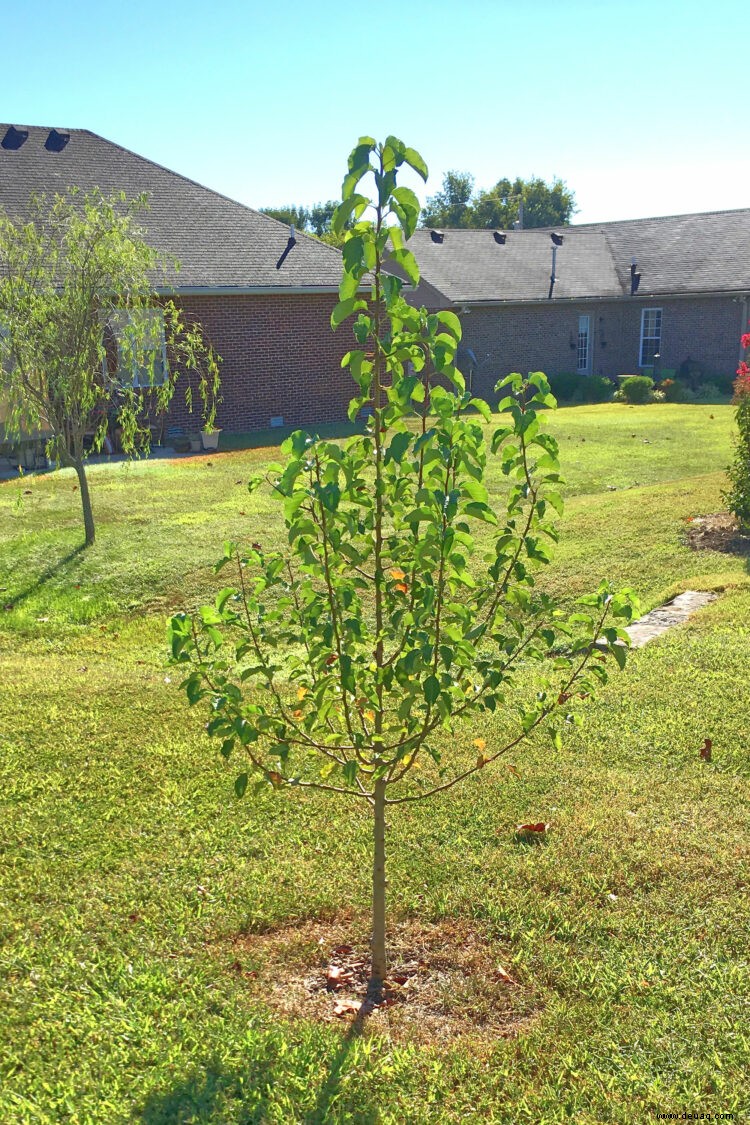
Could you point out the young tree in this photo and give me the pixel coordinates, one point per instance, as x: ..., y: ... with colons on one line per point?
x: 81, y: 335
x: 336, y: 665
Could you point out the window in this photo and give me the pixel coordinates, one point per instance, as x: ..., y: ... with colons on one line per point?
x: 141, y: 347
x: 583, y: 344
x: 650, y: 336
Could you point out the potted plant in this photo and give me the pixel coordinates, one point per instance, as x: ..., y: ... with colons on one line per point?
x: 210, y: 438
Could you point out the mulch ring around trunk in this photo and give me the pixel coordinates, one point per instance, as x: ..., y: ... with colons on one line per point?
x: 445, y: 980
x: 717, y: 532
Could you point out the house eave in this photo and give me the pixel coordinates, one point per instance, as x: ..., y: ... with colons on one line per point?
x: 245, y: 290
x: 469, y: 302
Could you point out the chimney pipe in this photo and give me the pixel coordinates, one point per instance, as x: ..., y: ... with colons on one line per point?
x: 635, y: 277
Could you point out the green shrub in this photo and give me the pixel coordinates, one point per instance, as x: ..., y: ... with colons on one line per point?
x: 675, y: 391
x: 708, y: 392
x: 565, y: 385
x: 721, y: 382
x: 597, y: 388
x: 571, y: 387
x: 637, y: 389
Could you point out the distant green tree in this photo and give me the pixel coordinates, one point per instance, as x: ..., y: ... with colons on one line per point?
x: 298, y: 217
x: 544, y: 205
x: 457, y: 205
x: 452, y: 206
x: 316, y: 220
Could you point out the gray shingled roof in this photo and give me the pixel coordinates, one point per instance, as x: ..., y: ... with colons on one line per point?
x: 675, y: 254
x: 219, y: 242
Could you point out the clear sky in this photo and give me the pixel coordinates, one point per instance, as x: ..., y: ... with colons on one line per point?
x: 642, y: 107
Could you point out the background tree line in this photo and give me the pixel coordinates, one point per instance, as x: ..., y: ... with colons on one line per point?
x: 315, y: 220
x: 457, y: 205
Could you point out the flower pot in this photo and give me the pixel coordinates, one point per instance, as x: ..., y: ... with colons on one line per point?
x: 210, y: 439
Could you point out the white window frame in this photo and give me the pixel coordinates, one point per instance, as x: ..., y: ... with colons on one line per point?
x: 651, y: 325
x: 583, y: 353
x: 153, y: 373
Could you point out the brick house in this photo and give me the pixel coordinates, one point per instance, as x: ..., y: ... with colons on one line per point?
x: 263, y: 294
x: 628, y: 297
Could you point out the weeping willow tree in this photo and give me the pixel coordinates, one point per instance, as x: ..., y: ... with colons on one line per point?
x: 83, y: 343
x: 339, y: 664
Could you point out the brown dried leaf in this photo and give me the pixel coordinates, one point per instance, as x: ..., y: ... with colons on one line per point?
x: 503, y: 975
x: 336, y: 977
x: 705, y: 752
x: 344, y: 1007
x: 399, y: 978
x: 539, y: 826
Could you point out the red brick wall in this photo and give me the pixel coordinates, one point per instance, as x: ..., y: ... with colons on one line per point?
x: 279, y: 358
x: 538, y: 337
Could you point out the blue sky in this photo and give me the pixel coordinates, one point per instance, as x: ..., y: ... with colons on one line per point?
x: 641, y: 107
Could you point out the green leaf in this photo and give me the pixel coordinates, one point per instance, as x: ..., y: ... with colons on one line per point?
x: 240, y: 784
x: 482, y: 407
x: 408, y: 264
x: 415, y: 161
x: 398, y: 447
x: 345, y: 309
x: 350, y: 771
x: 431, y: 689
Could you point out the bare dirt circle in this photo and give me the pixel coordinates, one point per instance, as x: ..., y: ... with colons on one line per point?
x: 446, y: 980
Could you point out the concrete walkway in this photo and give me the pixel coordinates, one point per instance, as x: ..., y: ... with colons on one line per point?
x: 664, y: 617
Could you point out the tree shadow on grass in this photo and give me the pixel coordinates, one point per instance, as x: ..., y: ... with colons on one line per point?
x: 243, y: 1096
x: 53, y: 571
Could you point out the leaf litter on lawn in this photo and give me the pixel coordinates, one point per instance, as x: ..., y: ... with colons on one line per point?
x: 446, y: 980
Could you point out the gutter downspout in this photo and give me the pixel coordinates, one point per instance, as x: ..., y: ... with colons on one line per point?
x: 743, y: 326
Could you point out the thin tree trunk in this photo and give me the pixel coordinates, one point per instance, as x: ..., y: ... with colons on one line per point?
x: 88, y: 514
x: 379, y: 962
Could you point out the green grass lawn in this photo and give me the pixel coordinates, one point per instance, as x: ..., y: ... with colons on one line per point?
x: 129, y: 868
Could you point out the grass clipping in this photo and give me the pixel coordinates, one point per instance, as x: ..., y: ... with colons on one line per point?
x: 445, y: 980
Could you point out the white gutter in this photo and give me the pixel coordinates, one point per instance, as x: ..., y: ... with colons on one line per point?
x: 475, y: 304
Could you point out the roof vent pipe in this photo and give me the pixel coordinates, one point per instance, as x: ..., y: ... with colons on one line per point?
x: 437, y: 235
x: 56, y: 142
x: 14, y: 138
x: 499, y: 237
x: 635, y: 277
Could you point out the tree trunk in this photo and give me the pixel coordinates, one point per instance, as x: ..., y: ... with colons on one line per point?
x: 379, y: 962
x: 88, y: 514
